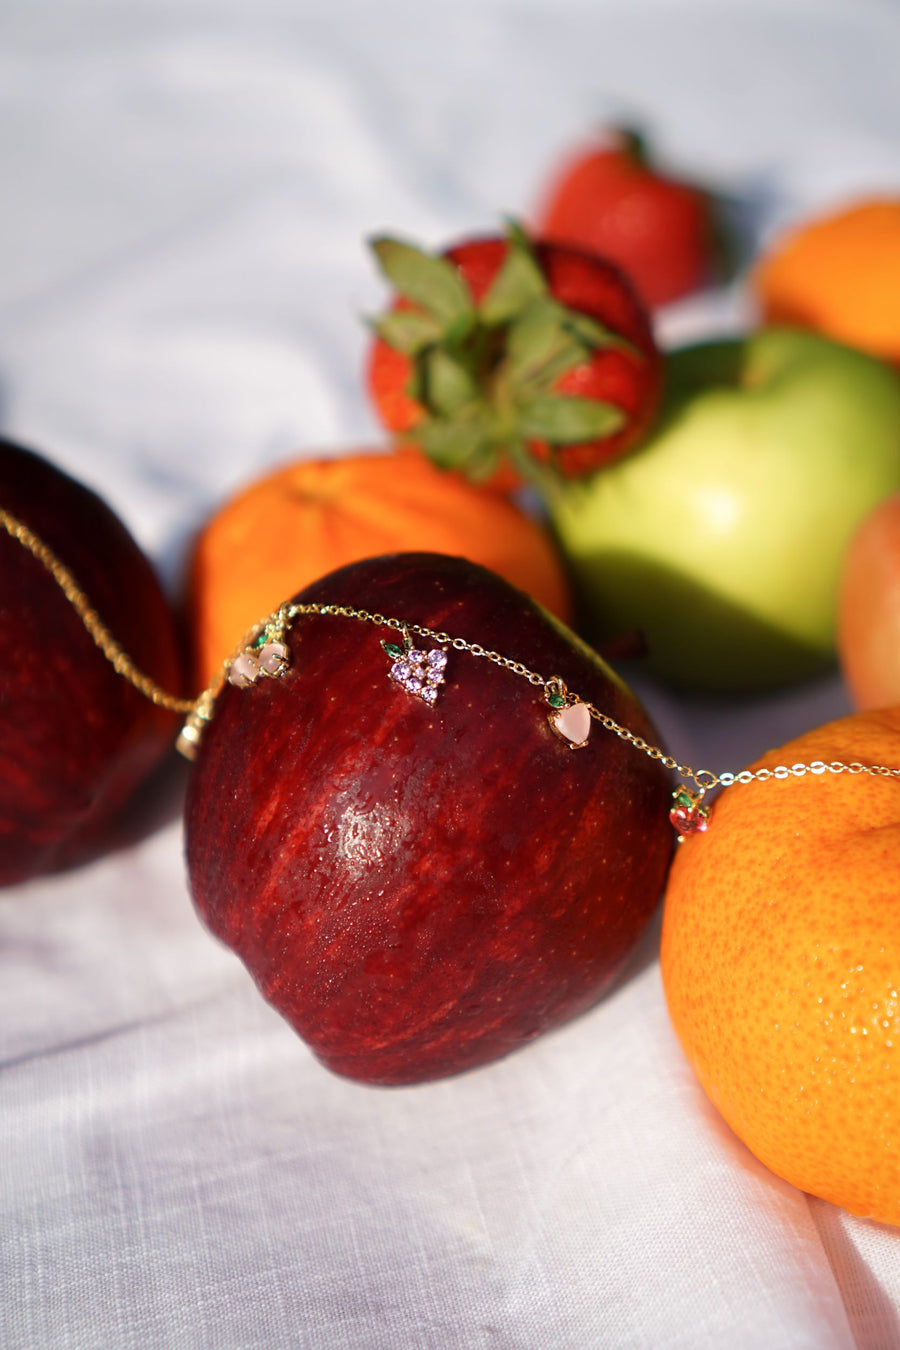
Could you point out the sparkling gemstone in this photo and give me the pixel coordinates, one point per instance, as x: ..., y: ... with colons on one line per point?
x: 688, y: 821
x: 572, y: 724
x: 420, y: 672
x: 273, y: 659
x: 244, y: 670
x: 688, y: 814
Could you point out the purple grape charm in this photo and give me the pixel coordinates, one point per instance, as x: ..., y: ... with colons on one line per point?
x: 419, y: 672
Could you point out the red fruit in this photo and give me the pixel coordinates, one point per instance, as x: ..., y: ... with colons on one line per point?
x: 422, y: 889
x: 502, y: 351
x: 75, y: 737
x: 610, y: 200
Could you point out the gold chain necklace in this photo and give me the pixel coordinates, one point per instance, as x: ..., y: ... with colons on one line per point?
x: 119, y: 659
x: 264, y: 654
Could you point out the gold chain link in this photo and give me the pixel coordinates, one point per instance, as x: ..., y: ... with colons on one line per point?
x: 704, y: 778
x: 200, y: 709
x: 111, y: 649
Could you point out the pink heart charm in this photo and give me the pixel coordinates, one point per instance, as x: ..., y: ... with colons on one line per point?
x: 274, y: 659
x: 572, y: 724
x: 244, y: 670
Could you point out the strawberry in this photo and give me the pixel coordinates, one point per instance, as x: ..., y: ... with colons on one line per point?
x: 502, y: 351
x: 610, y: 199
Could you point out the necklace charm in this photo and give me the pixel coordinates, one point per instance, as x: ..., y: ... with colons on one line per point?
x: 419, y: 672
x: 244, y: 670
x: 569, y: 720
x: 266, y: 655
x: 688, y: 814
x: 270, y: 659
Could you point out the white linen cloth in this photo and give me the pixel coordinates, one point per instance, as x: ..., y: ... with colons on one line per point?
x: 187, y: 190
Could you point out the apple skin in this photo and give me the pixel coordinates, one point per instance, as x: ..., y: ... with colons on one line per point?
x: 75, y: 738
x: 419, y: 890
x: 722, y: 536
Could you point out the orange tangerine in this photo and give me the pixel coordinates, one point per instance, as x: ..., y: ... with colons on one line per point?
x: 839, y: 274
x: 869, y: 609
x: 781, y: 964
x: 309, y: 517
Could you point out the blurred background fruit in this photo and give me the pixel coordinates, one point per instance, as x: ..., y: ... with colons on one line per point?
x: 781, y: 965
x: 307, y: 518
x: 869, y: 609
x: 839, y: 274
x: 610, y: 196
x: 722, y: 536
x: 76, y: 739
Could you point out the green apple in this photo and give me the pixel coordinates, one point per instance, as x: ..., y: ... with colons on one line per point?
x: 722, y: 536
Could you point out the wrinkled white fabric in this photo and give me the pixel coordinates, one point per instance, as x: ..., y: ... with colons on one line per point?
x: 187, y: 191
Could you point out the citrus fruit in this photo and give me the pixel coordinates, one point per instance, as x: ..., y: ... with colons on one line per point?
x: 781, y: 964
x: 839, y: 274
x: 309, y: 517
x: 869, y: 609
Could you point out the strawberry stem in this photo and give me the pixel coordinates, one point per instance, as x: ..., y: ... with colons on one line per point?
x: 485, y: 375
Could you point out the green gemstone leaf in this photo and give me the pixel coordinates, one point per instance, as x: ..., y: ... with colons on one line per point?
x: 393, y: 650
x: 433, y: 283
x: 564, y: 420
x: 407, y: 330
x: 556, y: 700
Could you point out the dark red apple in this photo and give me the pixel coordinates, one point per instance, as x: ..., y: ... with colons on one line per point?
x: 75, y: 738
x: 421, y: 889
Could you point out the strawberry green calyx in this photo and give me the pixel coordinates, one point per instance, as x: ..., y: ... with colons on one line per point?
x: 624, y: 143
x: 485, y: 372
